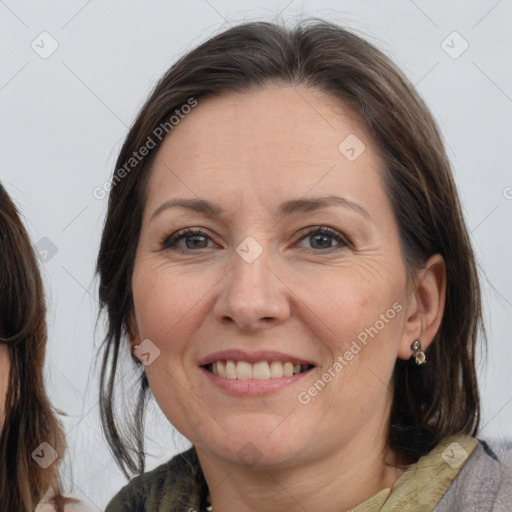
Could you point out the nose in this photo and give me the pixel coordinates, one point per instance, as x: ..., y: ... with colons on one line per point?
x: 253, y: 296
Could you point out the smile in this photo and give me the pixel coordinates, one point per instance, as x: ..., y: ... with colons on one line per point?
x: 262, y: 370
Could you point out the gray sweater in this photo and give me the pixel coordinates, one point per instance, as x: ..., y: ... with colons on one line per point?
x: 483, y: 484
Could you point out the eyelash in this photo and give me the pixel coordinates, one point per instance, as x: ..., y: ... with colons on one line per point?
x: 170, y: 242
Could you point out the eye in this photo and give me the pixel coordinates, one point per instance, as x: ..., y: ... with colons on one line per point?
x: 321, y: 237
x: 194, y: 239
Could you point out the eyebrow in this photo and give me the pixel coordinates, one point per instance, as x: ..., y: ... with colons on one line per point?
x: 288, y: 208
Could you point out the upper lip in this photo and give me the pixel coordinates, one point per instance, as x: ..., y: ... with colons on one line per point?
x: 252, y: 357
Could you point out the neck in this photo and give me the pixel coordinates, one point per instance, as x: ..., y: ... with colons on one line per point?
x: 338, y: 481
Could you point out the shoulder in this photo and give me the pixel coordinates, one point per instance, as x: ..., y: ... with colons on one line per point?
x: 176, y: 482
x: 484, y: 482
x: 132, y: 497
x: 71, y: 506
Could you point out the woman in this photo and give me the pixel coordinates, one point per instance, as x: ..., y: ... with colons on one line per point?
x: 31, y: 436
x: 286, y: 258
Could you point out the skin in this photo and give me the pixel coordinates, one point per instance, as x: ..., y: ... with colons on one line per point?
x: 248, y: 153
x: 4, y: 380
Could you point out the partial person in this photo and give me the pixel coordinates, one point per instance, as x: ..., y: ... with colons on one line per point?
x: 32, y: 440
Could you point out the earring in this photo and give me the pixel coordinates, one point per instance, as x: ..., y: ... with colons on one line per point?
x: 142, y: 367
x: 419, y: 355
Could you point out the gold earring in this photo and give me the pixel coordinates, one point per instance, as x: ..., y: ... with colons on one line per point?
x: 419, y: 355
x: 142, y: 367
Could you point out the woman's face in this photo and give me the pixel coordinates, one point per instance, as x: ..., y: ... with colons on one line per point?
x: 259, y: 283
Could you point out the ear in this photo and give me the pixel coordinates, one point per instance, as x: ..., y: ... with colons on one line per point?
x: 425, y: 307
x: 133, y: 332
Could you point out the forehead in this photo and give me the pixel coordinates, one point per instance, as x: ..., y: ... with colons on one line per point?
x: 269, y: 142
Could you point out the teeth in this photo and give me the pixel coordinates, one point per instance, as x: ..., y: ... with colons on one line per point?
x: 230, y: 370
x: 262, y: 370
x: 244, y: 370
x: 288, y: 369
x: 276, y: 369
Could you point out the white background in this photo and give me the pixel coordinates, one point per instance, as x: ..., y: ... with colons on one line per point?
x: 63, y: 120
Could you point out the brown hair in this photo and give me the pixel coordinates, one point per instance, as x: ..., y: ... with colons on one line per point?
x: 29, y: 417
x: 437, y: 400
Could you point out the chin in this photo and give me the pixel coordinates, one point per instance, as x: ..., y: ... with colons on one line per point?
x: 258, y: 444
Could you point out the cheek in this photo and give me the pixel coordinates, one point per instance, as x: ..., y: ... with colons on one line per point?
x: 167, y: 304
x: 365, y: 329
x: 365, y: 319
x: 357, y: 308
x: 164, y: 314
x: 158, y: 305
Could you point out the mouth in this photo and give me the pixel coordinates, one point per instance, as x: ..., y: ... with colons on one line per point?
x: 261, y: 370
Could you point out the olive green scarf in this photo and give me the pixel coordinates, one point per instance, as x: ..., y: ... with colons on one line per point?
x: 424, y: 483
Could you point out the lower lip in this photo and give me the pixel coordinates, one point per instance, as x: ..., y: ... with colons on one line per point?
x: 254, y: 387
